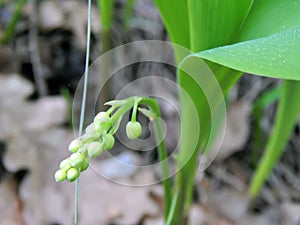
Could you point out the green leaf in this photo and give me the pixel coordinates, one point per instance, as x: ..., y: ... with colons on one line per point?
x: 115, y: 102
x: 274, y: 56
x: 105, y: 10
x: 214, y: 22
x: 171, y: 214
x: 277, y: 55
x: 200, y: 25
x: 268, y: 17
x: 200, y: 99
x: 287, y: 114
x: 176, y: 20
x: 211, y: 23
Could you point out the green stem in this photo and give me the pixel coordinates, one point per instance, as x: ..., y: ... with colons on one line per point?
x: 133, y: 102
x: 83, y: 103
x: 162, y: 153
x: 123, y: 109
x: 134, y: 111
x: 105, y: 9
x: 171, y: 213
x: 185, y: 177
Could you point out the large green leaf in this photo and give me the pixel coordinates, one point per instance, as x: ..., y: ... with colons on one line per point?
x: 214, y: 22
x: 203, y: 24
x: 176, y: 20
x: 268, y: 17
x: 211, y: 23
x: 274, y: 56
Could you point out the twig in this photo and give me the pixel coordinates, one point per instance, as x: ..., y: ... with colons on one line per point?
x: 37, y: 68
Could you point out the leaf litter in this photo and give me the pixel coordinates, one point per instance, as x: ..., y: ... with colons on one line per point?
x: 37, y: 142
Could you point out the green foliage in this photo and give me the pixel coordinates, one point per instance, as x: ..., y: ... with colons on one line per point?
x: 105, y: 11
x: 215, y: 23
x: 273, y: 56
x: 268, y: 17
x: 287, y: 114
x: 176, y: 20
x: 10, y: 27
x: 226, y: 37
x: 259, y: 37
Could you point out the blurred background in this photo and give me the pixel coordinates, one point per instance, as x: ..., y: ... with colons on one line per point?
x: 42, y: 56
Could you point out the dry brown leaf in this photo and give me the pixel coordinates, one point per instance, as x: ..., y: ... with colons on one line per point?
x: 6, y: 56
x: 51, y: 15
x: 78, y: 23
x: 33, y: 143
x: 44, y: 200
x: 156, y: 221
x: 10, y: 207
x: 13, y: 90
x: 238, y: 203
x: 102, y: 201
x: 237, y: 129
x: 197, y: 215
x: 70, y: 15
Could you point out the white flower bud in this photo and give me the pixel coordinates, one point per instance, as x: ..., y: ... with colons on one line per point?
x: 75, y: 145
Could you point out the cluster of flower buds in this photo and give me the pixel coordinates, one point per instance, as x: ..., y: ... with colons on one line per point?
x: 98, y: 137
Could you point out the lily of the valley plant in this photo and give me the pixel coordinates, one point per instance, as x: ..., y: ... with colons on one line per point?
x: 232, y: 37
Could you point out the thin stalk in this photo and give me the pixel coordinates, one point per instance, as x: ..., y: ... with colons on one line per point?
x: 35, y: 58
x: 162, y: 154
x: 123, y: 109
x: 83, y: 103
x: 171, y: 214
x: 132, y: 102
x: 134, y: 111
